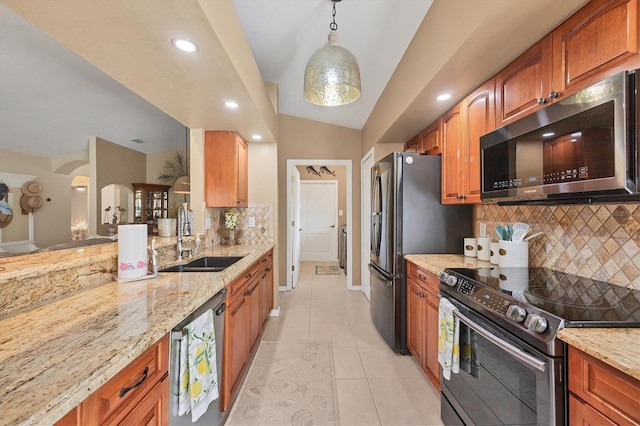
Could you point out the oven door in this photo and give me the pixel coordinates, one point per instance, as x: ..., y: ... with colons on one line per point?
x: 502, y: 381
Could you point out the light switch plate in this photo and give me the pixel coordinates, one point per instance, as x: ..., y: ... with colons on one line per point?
x: 483, y: 229
x: 252, y: 222
x: 340, y: 212
x: 207, y: 223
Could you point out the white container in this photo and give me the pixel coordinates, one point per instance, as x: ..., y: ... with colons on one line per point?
x: 132, y: 251
x: 493, y: 253
x: 471, y: 247
x: 513, y: 254
x: 483, y: 248
x: 167, y: 227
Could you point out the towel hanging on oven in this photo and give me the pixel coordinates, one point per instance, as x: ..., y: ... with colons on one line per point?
x: 448, y: 338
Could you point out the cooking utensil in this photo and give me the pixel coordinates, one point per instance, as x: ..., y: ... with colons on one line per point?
x: 501, y: 231
x: 532, y: 236
x: 520, y: 229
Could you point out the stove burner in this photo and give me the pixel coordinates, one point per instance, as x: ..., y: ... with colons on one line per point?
x: 538, y: 296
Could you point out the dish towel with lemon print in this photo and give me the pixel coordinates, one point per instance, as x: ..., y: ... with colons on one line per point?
x: 448, y: 339
x: 198, y: 371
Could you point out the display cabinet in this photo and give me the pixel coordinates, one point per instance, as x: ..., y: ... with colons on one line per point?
x: 150, y: 203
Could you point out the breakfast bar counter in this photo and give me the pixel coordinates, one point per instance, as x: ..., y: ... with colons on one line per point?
x: 54, y: 355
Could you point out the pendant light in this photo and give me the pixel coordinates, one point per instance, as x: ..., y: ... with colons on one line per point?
x: 332, y: 75
x: 182, y: 185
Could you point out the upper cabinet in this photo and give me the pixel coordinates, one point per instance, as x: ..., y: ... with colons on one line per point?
x: 596, y: 42
x: 461, y: 128
x: 226, y: 169
x: 523, y: 86
x: 428, y: 141
x: 599, y: 40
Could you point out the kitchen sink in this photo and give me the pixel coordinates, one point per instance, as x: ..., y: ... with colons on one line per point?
x: 205, y: 264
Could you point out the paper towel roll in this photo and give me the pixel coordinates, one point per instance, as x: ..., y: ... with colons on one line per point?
x: 132, y: 251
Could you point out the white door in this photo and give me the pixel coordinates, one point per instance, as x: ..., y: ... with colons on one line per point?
x: 319, y: 220
x: 296, y: 227
x: 365, y: 179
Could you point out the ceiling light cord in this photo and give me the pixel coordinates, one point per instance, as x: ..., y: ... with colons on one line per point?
x: 333, y: 26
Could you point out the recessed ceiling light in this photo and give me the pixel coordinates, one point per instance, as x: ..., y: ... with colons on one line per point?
x: 257, y: 137
x: 184, y: 44
x: 444, y: 97
x: 231, y: 104
x: 548, y: 135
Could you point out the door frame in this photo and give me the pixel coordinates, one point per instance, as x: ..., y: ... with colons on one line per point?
x: 299, y: 162
x: 365, y: 220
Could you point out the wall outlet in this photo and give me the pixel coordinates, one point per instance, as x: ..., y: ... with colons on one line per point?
x: 252, y: 222
x: 483, y: 229
x: 207, y: 223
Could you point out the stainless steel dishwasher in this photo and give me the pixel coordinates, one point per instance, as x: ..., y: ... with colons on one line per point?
x: 213, y: 416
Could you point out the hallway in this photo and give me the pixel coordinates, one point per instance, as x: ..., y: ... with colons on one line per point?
x: 375, y: 386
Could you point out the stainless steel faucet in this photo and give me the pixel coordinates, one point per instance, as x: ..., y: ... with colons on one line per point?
x: 183, y: 229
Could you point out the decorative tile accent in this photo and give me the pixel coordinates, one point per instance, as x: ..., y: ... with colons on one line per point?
x: 594, y: 241
x: 261, y: 233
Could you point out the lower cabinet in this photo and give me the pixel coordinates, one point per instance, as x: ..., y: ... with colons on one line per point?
x: 139, y: 394
x: 248, y: 305
x: 422, y: 320
x: 600, y: 394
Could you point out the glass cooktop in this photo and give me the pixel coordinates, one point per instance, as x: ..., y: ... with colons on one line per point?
x: 581, y: 302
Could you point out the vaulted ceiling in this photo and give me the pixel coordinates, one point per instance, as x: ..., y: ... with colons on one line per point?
x: 254, y: 52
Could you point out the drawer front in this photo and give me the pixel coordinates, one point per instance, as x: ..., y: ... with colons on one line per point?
x: 425, y: 278
x: 613, y: 393
x: 128, y: 387
x: 238, y: 286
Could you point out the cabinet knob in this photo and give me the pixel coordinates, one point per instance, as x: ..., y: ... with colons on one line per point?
x: 554, y: 95
x: 542, y: 101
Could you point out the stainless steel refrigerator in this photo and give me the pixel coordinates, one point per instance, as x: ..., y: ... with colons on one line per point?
x: 407, y: 218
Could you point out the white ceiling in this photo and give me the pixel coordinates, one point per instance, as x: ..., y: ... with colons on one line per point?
x: 455, y: 47
x: 52, y: 101
x: 283, y: 35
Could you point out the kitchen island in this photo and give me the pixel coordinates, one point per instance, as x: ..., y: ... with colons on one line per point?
x: 53, y: 355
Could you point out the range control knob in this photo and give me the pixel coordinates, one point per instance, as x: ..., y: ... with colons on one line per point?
x: 448, y: 279
x: 516, y: 313
x: 536, y: 323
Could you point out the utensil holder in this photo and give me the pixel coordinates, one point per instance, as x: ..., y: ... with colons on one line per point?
x: 513, y: 254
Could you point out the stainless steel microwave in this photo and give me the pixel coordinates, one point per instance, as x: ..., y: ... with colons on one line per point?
x: 583, y: 148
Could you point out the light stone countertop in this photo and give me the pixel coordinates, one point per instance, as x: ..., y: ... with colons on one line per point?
x: 53, y: 356
x: 618, y: 347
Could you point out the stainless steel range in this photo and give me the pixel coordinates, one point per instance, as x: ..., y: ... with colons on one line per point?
x: 513, y: 367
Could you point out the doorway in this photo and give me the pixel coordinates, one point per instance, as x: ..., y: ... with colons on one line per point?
x: 293, y: 226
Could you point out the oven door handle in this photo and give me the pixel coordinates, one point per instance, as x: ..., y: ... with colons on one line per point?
x: 530, y: 360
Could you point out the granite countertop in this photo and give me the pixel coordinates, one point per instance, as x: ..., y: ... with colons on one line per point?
x: 618, y: 347
x: 53, y: 356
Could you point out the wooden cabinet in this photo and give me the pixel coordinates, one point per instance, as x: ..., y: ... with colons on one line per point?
x: 452, y: 156
x: 599, y: 40
x: 596, y: 42
x: 462, y: 128
x: 422, y: 320
x: 599, y: 394
x: 150, y: 203
x: 428, y: 141
x: 247, y: 303
x: 226, y: 169
x: 139, y: 394
x: 523, y: 86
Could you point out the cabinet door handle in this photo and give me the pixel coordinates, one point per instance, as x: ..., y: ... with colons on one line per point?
x: 422, y: 277
x: 249, y: 275
x: 125, y: 391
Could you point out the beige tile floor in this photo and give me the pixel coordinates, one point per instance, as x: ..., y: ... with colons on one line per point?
x: 375, y: 385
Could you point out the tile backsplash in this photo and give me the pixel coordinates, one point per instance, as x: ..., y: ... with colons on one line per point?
x: 261, y: 233
x: 594, y: 241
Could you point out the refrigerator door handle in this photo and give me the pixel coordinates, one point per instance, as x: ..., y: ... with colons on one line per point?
x: 382, y: 275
